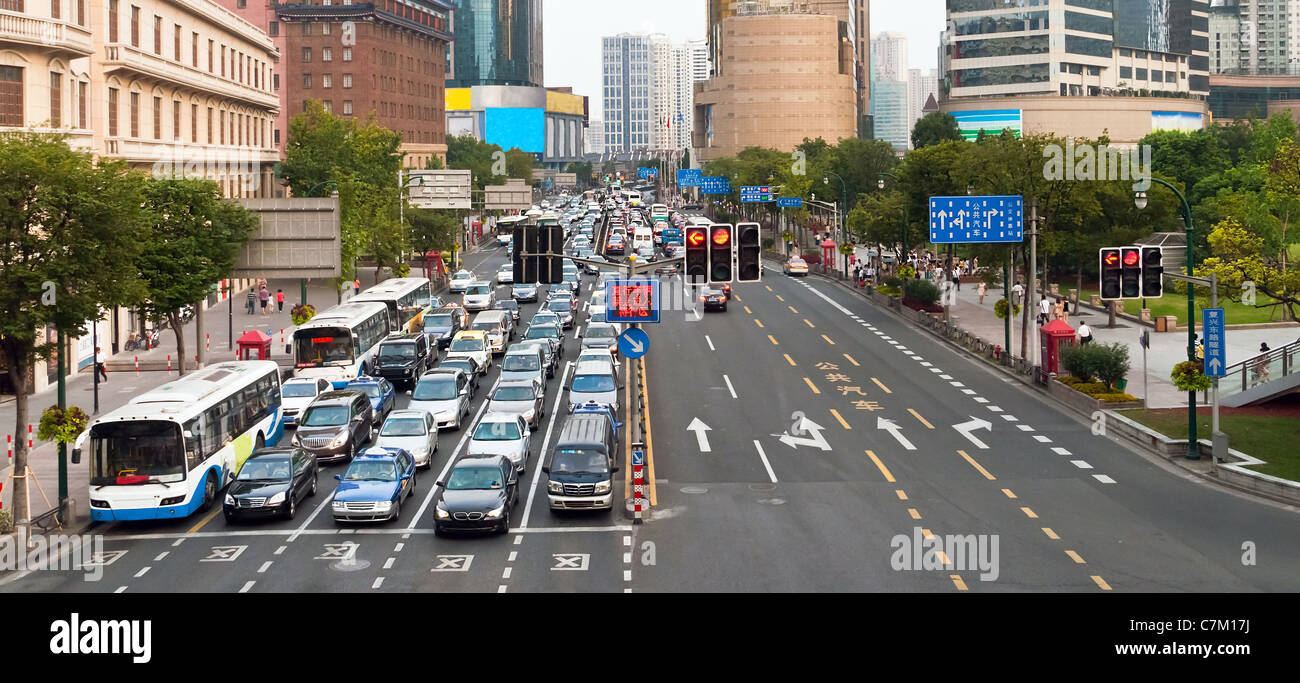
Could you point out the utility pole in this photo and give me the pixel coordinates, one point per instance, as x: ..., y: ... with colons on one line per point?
x: 1033, y: 277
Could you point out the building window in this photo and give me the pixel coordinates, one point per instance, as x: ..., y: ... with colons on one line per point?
x: 135, y: 26
x: 275, y: 81
x: 194, y: 123
x: 81, y: 105
x: 221, y: 128
x: 55, y: 9
x: 209, y: 125
x: 157, y: 34
x: 273, y: 29
x: 347, y: 80
x: 242, y: 4
x: 306, y: 81
x: 209, y: 56
x: 194, y: 49
x: 347, y: 107
x: 176, y: 120
x: 329, y: 106
x: 112, y: 21
x: 1141, y: 74
x: 326, y: 54
x: 56, y: 99
x: 81, y: 12
x: 275, y: 136
x: 306, y: 28
x: 306, y: 55
x: 135, y: 114
x: 325, y: 29
x: 1171, y: 77
x: 347, y: 54
x: 223, y: 61
x: 157, y: 118
x: 326, y: 81
x: 1126, y: 72
x: 112, y: 110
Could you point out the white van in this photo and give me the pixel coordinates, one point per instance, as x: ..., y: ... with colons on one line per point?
x: 643, y: 237
x: 499, y: 327
x: 594, y: 381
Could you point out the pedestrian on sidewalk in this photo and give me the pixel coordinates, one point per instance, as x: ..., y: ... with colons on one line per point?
x: 264, y: 295
x: 1045, y: 309
x: 356, y: 286
x: 1017, y: 291
x: 279, y: 300
x: 100, y: 359
x: 252, y: 300
x: 1085, y: 334
x: 1059, y: 308
x: 1064, y: 315
x: 956, y: 280
x: 982, y: 290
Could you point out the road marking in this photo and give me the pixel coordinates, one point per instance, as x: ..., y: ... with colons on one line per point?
x: 1061, y: 451
x: 828, y: 340
x: 957, y: 581
x: 1075, y: 556
x: 519, y: 539
x: 729, y: 387
x: 142, y: 572
x: 1081, y: 464
x: 902, y: 495
x: 649, y: 436
x: 537, y: 471
x: 968, y: 392
x: 513, y: 555
x: 945, y: 376
x: 281, y: 549
x: 768, y: 287
x: 758, y: 322
x: 247, y: 587
x: 737, y: 297
x: 981, y: 399
x: 935, y: 370
x: 812, y: 386
x: 977, y: 466
x: 1023, y: 428
x: 926, y: 364
x: 923, y: 420
x: 787, y: 357
x: 881, y: 385
x: 570, y: 530
x: 1042, y: 439
x: 957, y: 384
x: 160, y: 556
x: 773, y: 340
x: 994, y: 409
x: 501, y: 588
x: 205, y: 520
x: 843, y: 424
x: 710, y: 341
x: 914, y: 514
x: 1029, y: 513
x: 850, y: 359
x: 627, y: 574
x: 388, y: 564
x: 747, y: 310
x: 1009, y: 494
x: 1051, y: 534
x: 793, y: 310
x: 1103, y: 479
x: 809, y: 323
x: 1100, y: 583
x: 505, y: 573
x: 780, y: 298
x: 379, y: 581
x: 771, y: 475
x: 178, y: 541
x: 120, y: 589
x: 265, y: 566
x: 398, y: 548
x: 881, y: 466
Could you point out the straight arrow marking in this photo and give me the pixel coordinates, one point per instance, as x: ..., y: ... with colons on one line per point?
x: 701, y: 434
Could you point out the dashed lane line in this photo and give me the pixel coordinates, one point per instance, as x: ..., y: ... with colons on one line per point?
x: 812, y: 386
x: 923, y: 420
x: 766, y: 465
x: 843, y: 424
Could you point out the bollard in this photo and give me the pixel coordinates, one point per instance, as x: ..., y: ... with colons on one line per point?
x: 2, y: 499
x: 207, y: 345
x: 169, y: 362
x: 29, y: 438
x: 9, y: 448
x: 137, y: 365
x: 281, y: 336
x: 637, y: 480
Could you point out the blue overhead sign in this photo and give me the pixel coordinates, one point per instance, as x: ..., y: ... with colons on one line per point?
x: 789, y: 202
x: 644, y: 172
x: 755, y: 193
x: 1214, y: 321
x: 689, y: 177
x: 633, y: 343
x: 715, y: 185
x: 981, y: 219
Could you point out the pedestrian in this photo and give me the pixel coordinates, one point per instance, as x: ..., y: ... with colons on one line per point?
x: 956, y: 280
x: 1263, y: 347
x: 981, y: 289
x: 1059, y: 307
x: 1085, y: 334
x: 356, y: 286
x: 100, y: 359
x: 1065, y: 311
x: 279, y: 300
x: 252, y: 300
x: 264, y: 295
x: 1017, y: 290
x: 1045, y: 308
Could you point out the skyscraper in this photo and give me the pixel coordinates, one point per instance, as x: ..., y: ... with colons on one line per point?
x: 889, y: 110
x: 626, y: 75
x: 498, y: 42
x: 921, y: 85
x: 1255, y: 37
x: 889, y: 56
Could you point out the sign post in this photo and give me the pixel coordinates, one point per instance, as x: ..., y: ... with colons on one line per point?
x: 755, y: 193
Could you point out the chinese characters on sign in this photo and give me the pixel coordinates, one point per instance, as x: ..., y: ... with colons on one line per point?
x: 1215, y: 346
x: 632, y: 301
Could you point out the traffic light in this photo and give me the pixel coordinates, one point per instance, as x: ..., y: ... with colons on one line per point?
x: 720, y: 254
x: 551, y: 267
x: 1110, y: 273
x: 697, y: 254
x: 524, y: 241
x: 1131, y: 275
x: 749, y: 253
x: 1153, y: 286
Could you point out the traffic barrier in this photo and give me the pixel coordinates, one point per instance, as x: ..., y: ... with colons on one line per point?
x: 2, y: 500
x: 137, y: 365
x: 207, y: 345
x: 169, y: 362
x: 9, y: 448
x: 638, y: 481
x: 30, y: 441
x: 281, y: 336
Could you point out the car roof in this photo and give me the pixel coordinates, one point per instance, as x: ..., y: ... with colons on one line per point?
x: 531, y: 383
x: 476, y: 334
x: 408, y: 412
x: 413, y: 336
x: 437, y: 373
x: 500, y: 417
x: 479, y: 461
x: 594, y: 366
x: 377, y: 453
x: 338, y: 396
x: 300, y: 380
x: 522, y: 348
x: 364, y: 379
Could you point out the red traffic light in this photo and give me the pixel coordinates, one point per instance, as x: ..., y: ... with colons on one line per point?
x: 1132, y: 257
x: 1110, y: 258
x: 695, y: 237
x: 721, y: 236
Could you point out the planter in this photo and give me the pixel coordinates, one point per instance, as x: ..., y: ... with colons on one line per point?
x: 918, y: 306
x: 1083, y: 403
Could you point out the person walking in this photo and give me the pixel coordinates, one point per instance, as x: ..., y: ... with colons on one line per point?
x: 1059, y: 307
x: 1045, y: 309
x: 956, y: 279
x: 982, y: 290
x: 1085, y: 334
x: 356, y: 286
x: 252, y: 300
x: 100, y: 359
x: 264, y: 295
x: 279, y: 300
x: 1017, y: 290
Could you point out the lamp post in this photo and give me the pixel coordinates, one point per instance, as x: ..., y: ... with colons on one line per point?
x: 880, y: 184
x: 843, y: 212
x: 1140, y: 199
x: 401, y: 206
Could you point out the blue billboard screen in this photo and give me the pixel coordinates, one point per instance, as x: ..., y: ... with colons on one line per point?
x: 520, y: 127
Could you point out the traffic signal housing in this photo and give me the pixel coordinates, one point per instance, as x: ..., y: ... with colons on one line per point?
x: 1111, y: 268
x: 524, y: 241
x: 1153, y: 272
x: 1131, y: 273
x: 697, y: 254
x: 749, y: 253
x: 551, y: 268
x: 720, y: 250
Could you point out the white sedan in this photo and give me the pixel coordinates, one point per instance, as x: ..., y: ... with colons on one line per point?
x: 461, y: 280
x: 506, y: 275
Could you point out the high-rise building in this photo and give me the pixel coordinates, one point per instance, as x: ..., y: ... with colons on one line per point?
x: 596, y: 137
x: 498, y: 42
x: 1256, y: 37
x: 889, y: 111
x: 699, y: 56
x: 889, y: 56
x: 626, y: 67
x: 921, y: 86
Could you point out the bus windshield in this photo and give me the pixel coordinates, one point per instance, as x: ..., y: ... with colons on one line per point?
x: 323, y: 346
x: 136, y: 452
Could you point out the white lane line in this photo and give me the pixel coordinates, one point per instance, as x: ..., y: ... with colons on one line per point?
x: 178, y: 542
x: 981, y: 399
x: 398, y: 548
x: 513, y: 555
x: 957, y: 384
x: 968, y: 392
x: 945, y: 376
x: 519, y: 539
x: 505, y: 573
x: 994, y: 409
x: 120, y: 589
x: 378, y: 582
x: 926, y: 364
x: 442, y: 476
x: 568, y: 530
x: 501, y: 588
x: 710, y: 341
x: 388, y: 564
x: 247, y: 587
x: 537, y: 470
x: 142, y: 572
x: 1081, y: 464
x: 1103, y: 479
x: 265, y: 566
x: 302, y: 527
x: 729, y: 387
x: 161, y: 555
x: 627, y: 574
x: 1060, y: 451
x: 766, y: 464
x: 627, y: 558
x: 280, y: 550
x: 1023, y: 428
x: 935, y: 370
x: 1013, y: 418
x: 1042, y: 439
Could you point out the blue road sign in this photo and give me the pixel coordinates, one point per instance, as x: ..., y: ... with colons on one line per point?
x: 638, y: 457
x: 981, y: 219
x: 632, y: 301
x: 755, y: 193
x: 689, y: 177
x: 715, y: 185
x: 643, y: 172
x: 789, y: 202
x: 633, y: 343
x: 1213, y: 322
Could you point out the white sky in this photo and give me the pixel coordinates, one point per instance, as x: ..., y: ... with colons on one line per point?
x: 572, y: 30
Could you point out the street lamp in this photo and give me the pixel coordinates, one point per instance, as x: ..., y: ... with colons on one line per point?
x: 1140, y: 199
x: 843, y: 212
x: 880, y: 183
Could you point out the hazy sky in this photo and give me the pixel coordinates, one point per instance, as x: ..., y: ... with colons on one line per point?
x: 573, y: 29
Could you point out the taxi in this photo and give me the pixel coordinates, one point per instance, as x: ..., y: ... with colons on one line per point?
x: 796, y: 266
x: 472, y: 344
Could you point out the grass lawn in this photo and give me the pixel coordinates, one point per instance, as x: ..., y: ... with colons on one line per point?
x: 1176, y: 304
x: 1271, y: 438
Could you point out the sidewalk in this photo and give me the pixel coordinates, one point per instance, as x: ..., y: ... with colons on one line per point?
x: 1167, y: 349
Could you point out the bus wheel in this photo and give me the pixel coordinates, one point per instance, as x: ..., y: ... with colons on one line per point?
x: 209, y: 493
x: 261, y: 443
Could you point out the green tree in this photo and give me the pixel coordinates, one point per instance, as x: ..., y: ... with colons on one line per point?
x: 468, y: 153
x: 433, y: 230
x: 193, y: 240
x: 71, y: 234
x: 434, y: 164
x: 520, y: 164
x: 583, y: 170
x: 934, y: 128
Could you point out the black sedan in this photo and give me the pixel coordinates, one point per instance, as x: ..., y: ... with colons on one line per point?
x: 714, y: 299
x: 270, y: 484
x: 477, y: 496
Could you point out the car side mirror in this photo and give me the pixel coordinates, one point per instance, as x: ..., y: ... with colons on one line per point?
x: 406, y: 477
x: 438, y: 483
x: 338, y: 477
x: 614, y: 469
x: 546, y: 470
x: 357, y: 418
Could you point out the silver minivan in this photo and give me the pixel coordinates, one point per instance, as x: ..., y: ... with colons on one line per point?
x: 499, y: 327
x: 594, y: 381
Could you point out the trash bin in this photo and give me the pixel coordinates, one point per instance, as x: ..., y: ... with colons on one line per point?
x: 1122, y: 385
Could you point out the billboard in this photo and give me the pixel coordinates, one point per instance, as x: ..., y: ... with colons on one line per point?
x: 521, y: 127
x: 991, y: 121
x: 296, y: 238
x: 1176, y: 120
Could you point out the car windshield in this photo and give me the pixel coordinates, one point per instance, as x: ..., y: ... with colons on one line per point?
x: 484, y: 326
x: 265, y: 469
x: 474, y: 478
x: 560, y: 305
x: 521, y: 361
x: 371, y: 390
x: 467, y: 345
x: 513, y: 394
x: 541, y: 332
x: 325, y: 416
x: 404, y: 426
x: 371, y: 471
x: 463, y: 364
x: 463, y: 275
x: 478, y: 289
x: 594, y: 332
x: 497, y: 431
x: 435, y: 389
x: 440, y: 321
x: 298, y: 389
x: 593, y: 383
x: 507, y: 305
x: 573, y: 461
x: 396, y: 351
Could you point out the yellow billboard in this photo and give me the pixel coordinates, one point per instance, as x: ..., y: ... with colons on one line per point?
x: 562, y: 103
x: 457, y: 99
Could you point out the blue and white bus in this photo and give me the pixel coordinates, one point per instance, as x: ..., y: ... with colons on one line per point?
x: 407, y: 299
x: 169, y: 451
x: 339, y: 344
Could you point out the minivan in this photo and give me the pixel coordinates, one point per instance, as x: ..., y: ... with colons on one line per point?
x: 335, y: 425
x: 581, y: 468
x: 593, y: 381
x: 499, y: 326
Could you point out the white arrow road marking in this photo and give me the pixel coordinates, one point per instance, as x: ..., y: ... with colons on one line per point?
x: 966, y: 428
x: 806, y: 426
x: 701, y: 435
x: 895, y: 431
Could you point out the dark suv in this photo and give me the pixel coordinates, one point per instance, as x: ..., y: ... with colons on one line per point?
x: 441, y: 325
x: 335, y: 425
x: 402, y: 359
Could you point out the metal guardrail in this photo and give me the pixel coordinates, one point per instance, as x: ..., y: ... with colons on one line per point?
x: 1260, y: 369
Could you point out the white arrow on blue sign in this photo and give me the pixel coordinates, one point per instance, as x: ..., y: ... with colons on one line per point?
x: 638, y: 457
x: 976, y: 219
x: 633, y: 343
x: 1214, y: 324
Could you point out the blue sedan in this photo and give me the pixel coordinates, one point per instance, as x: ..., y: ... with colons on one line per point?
x: 374, y: 486
x: 382, y: 395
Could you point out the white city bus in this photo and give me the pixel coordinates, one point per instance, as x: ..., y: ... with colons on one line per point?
x: 167, y: 452
x: 339, y: 344
x: 407, y: 299
x: 658, y: 212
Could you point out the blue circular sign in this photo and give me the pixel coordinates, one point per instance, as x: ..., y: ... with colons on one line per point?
x: 633, y: 343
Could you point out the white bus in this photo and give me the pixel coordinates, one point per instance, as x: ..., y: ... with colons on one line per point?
x: 659, y: 212
x: 339, y: 344
x: 407, y: 298
x: 169, y: 451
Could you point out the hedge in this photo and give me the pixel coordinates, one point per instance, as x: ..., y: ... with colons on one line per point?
x: 1114, y: 398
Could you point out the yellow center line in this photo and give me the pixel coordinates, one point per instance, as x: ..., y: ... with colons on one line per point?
x: 902, y: 495
x: 923, y: 420
x: 956, y: 580
x: 748, y: 311
x: 843, y: 424
x: 649, y: 439
x: 1051, y: 534
x: 737, y: 298
x: 812, y: 386
x: 1029, y: 513
x: 792, y: 363
x: 781, y: 298
x: 979, y: 467
x: 943, y: 557
x: 1009, y: 493
x: 758, y: 322
x: 855, y: 363
x: 1075, y: 556
x: 828, y: 340
x: 883, y: 470
x: 774, y: 342
x: 205, y: 520
x: 881, y: 385
x: 809, y: 322
x: 927, y: 533
x: 1100, y: 583
x: 769, y: 287
x: 913, y: 513
x: 793, y: 310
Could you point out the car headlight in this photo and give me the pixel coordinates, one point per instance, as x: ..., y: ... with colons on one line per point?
x: 602, y: 487
x: 230, y: 500
x: 295, y: 441
x: 339, y: 440
x: 554, y: 487
x: 493, y: 514
x: 384, y: 505
x: 440, y: 512
x: 276, y: 499
x: 338, y: 505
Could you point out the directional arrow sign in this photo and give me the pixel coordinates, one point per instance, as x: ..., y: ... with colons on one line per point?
x: 701, y: 434
x: 633, y: 343
x: 808, y: 427
x: 1214, y: 365
x: 966, y: 428
x: 895, y: 431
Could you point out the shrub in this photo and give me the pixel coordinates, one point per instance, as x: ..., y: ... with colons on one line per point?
x: 923, y: 292
x: 302, y: 313
x: 1091, y: 388
x: 1069, y: 380
x: 768, y: 243
x: 1000, y: 309
x: 894, y: 281
x: 6, y: 522
x: 906, y: 271
x: 1112, y: 363
x: 402, y: 270
x: 887, y: 290
x: 1187, y: 376
x: 1114, y: 398
x: 62, y: 426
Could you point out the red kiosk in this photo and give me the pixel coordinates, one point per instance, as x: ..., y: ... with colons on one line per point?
x: 1054, y: 336
x: 254, y: 341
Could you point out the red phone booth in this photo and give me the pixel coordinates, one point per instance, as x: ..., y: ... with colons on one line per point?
x: 1054, y: 336
x: 254, y: 342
